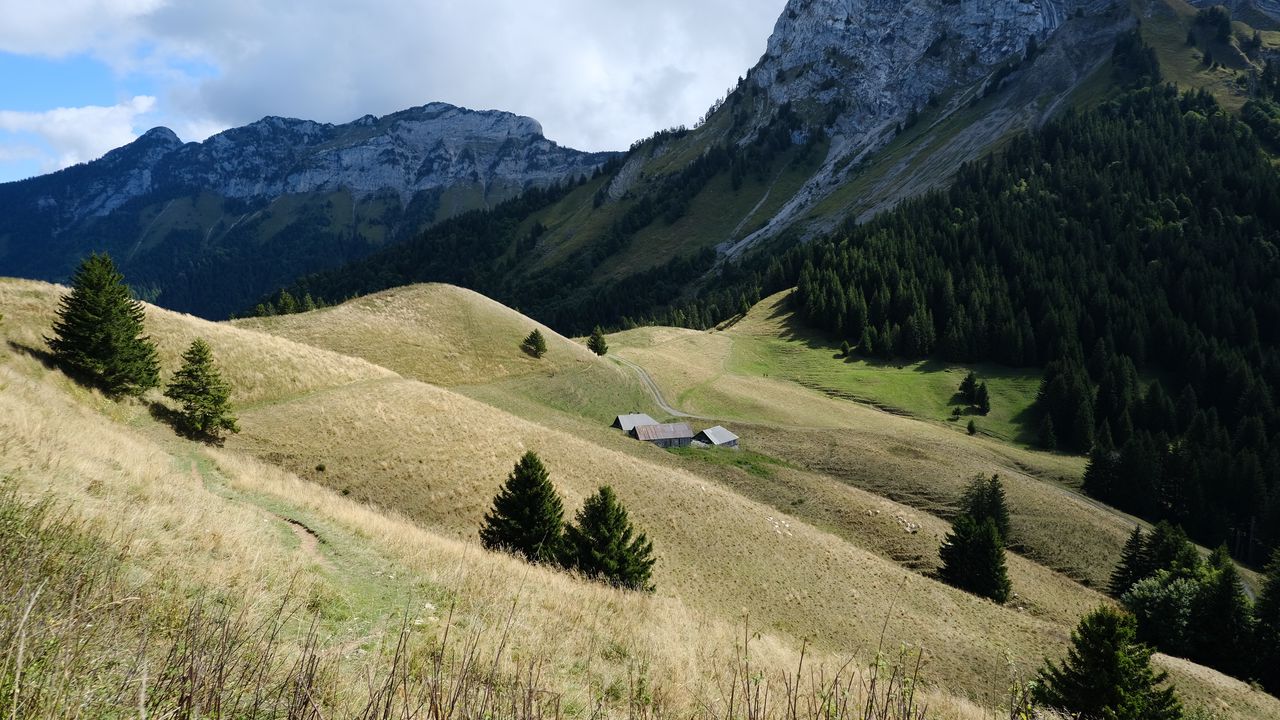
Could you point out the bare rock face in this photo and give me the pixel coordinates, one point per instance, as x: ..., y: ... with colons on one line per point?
x: 860, y: 70
x: 424, y: 148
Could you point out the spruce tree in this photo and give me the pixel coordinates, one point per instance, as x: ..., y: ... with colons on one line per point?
x: 602, y: 544
x: 1107, y: 674
x: 984, y: 499
x: 596, y: 343
x: 973, y: 559
x: 1266, y: 615
x: 534, y: 344
x: 972, y: 428
x: 1131, y: 567
x: 204, y: 395
x: 1223, y: 624
x: 527, y: 517
x: 983, y: 399
x: 98, y: 333
x: 969, y: 388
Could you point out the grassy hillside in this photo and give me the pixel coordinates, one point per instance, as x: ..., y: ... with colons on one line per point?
x: 1165, y: 27
x: 431, y: 458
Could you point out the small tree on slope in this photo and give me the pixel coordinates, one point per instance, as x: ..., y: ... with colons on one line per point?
x: 535, y: 344
x: 596, y: 343
x: 527, y: 517
x: 1132, y: 565
x: 602, y: 544
x: 984, y: 498
x: 973, y: 559
x: 98, y: 333
x: 204, y: 395
x: 1107, y: 674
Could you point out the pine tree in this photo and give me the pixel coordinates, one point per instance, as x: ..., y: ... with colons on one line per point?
x: 1266, y: 615
x: 596, y: 343
x: 845, y: 349
x: 973, y: 428
x: 973, y: 559
x: 1131, y: 567
x: 602, y: 544
x: 1108, y: 674
x: 204, y: 395
x: 1223, y: 622
x: 983, y: 399
x: 98, y: 333
x: 534, y: 344
x: 527, y: 517
x: 969, y: 388
x: 984, y: 499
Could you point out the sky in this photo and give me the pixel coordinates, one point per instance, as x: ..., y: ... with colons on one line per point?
x: 80, y: 77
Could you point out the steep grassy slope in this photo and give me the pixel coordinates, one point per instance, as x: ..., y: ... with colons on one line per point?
x: 795, y: 479
x: 187, y: 519
x: 435, y: 457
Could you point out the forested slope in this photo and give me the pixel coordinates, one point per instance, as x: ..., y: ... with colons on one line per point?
x: 1133, y: 251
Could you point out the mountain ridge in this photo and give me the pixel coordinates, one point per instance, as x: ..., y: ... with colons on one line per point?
x: 275, y: 198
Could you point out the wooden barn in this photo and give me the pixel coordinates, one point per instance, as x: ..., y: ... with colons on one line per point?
x: 628, y: 423
x: 665, y: 436
x: 717, y: 437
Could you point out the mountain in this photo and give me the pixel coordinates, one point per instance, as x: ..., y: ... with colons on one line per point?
x: 201, y: 226
x: 855, y: 105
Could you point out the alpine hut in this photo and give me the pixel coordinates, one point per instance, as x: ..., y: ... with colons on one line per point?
x: 628, y: 423
x: 717, y: 437
x: 665, y: 436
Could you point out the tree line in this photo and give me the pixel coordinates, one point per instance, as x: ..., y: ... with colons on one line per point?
x: 1131, y: 250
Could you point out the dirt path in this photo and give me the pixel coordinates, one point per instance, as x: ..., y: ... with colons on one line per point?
x: 647, y: 380
x: 309, y: 543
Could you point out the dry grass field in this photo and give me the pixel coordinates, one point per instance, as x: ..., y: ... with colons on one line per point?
x: 362, y: 484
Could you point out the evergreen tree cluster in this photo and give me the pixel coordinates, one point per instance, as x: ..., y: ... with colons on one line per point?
x: 973, y: 552
x: 1133, y: 241
x: 1186, y: 606
x: 527, y: 519
x: 98, y: 337
x: 975, y: 393
x: 284, y: 303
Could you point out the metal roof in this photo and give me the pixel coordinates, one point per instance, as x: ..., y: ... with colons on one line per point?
x: 718, y: 435
x: 631, y: 422
x: 675, y: 431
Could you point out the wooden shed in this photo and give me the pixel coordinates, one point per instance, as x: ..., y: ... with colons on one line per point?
x: 717, y: 437
x: 665, y: 436
x: 628, y: 423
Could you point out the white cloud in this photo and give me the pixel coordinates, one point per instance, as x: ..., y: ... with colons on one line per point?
x: 77, y: 134
x: 597, y: 74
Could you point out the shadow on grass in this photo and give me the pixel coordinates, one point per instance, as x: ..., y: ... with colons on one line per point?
x: 1028, y: 427
x: 167, y: 415
x: 44, y: 357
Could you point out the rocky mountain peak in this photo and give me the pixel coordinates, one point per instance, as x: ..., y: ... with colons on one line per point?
x: 860, y: 70
x: 884, y: 57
